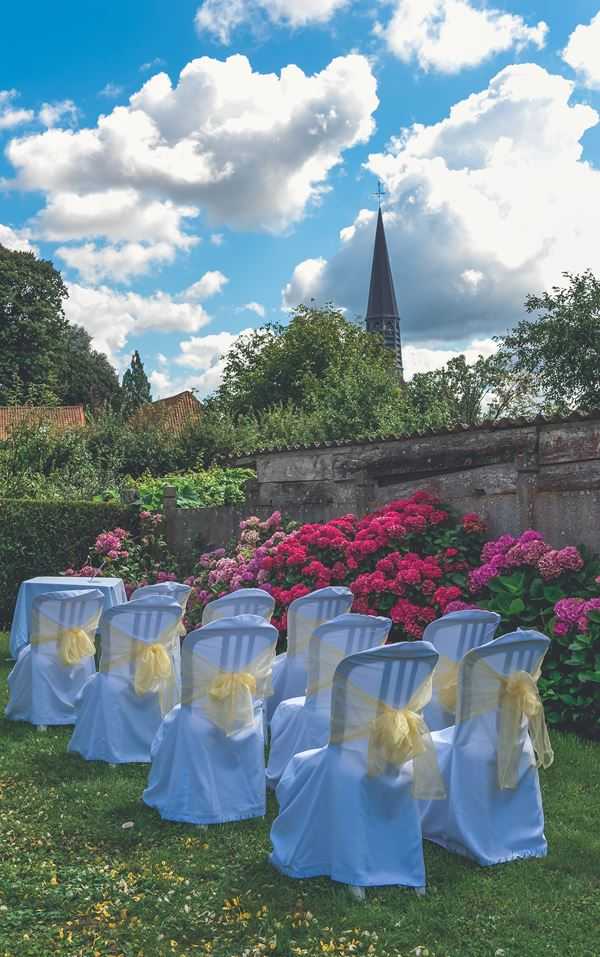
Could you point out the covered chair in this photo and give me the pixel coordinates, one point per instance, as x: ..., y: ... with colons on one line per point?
x: 349, y: 810
x: 302, y: 723
x: 51, y: 670
x: 489, y: 759
x: 208, y: 763
x: 244, y: 601
x: 169, y: 591
x: 119, y: 710
x: 303, y: 616
x: 453, y: 636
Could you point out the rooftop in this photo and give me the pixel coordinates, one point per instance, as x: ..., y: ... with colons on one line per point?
x: 60, y: 417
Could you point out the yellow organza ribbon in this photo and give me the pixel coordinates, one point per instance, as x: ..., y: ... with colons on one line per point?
x: 153, y: 666
x: 445, y: 683
x: 228, y: 697
x: 73, y: 645
x: 517, y: 699
x: 395, y: 736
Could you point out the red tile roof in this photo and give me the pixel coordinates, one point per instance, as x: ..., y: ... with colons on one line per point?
x: 173, y: 413
x: 60, y: 417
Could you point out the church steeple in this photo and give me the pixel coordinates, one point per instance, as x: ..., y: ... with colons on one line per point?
x: 382, y: 309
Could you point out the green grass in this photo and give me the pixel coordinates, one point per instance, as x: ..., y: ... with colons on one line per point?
x: 74, y: 882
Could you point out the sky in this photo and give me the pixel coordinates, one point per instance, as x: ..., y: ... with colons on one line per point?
x: 196, y: 169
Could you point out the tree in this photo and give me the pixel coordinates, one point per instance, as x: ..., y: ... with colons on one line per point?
x: 304, y: 362
x: 135, y: 389
x: 559, y: 350
x: 85, y: 375
x: 32, y: 324
x: 461, y: 393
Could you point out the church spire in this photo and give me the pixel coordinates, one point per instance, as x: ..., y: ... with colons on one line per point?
x: 382, y: 309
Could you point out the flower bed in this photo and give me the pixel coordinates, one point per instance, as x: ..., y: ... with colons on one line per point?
x: 412, y: 561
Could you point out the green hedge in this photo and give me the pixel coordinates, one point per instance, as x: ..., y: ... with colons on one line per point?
x: 44, y: 538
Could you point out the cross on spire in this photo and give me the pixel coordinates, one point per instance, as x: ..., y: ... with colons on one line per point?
x: 380, y: 192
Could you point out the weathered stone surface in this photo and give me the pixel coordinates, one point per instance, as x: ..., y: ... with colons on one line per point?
x: 542, y: 475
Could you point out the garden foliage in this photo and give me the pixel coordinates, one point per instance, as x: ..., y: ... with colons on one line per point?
x: 41, y: 538
x: 199, y: 489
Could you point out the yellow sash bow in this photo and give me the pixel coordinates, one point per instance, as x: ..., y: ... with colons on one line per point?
x: 73, y: 645
x: 445, y: 683
x: 515, y: 697
x: 396, y: 736
x: 520, y: 698
x: 231, y: 695
x: 152, y: 667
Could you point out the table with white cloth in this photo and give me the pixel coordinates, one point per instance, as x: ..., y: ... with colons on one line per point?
x: 113, y: 590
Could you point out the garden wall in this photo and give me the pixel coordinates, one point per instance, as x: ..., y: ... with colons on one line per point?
x: 542, y: 474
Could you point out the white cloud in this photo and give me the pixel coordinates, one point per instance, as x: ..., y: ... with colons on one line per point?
x: 217, y: 141
x: 449, y: 35
x: 51, y: 113
x: 255, y: 307
x: 210, y: 284
x: 217, y: 239
x: 11, y: 116
x: 491, y: 203
x: 582, y: 52
x: 199, y: 364
x: 221, y: 17
x: 201, y: 352
x: 16, y: 239
x: 422, y: 359
x: 158, y: 61
x: 161, y: 384
x: 111, y: 317
x: 120, y: 263
x: 111, y: 91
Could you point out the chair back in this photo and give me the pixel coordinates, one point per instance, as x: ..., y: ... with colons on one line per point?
x: 244, y: 601
x: 333, y: 641
x: 458, y: 632
x: 147, y: 621
x: 365, y: 683
x: 175, y: 590
x: 53, y: 613
x: 227, y: 668
x: 307, y: 613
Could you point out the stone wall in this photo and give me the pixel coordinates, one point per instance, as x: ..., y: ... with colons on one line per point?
x: 541, y: 474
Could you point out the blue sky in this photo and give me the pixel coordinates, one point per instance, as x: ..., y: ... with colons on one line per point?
x: 231, y: 187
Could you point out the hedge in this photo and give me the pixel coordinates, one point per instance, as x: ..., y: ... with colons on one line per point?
x: 44, y: 538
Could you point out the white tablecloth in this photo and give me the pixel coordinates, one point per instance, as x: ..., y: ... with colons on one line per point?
x: 113, y: 590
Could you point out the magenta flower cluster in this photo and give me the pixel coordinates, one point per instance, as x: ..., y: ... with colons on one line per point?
x: 504, y: 554
x: 572, y: 614
x: 111, y: 544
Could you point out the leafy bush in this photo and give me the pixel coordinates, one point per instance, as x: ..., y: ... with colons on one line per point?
x: 41, y: 538
x: 216, y: 486
x: 139, y: 560
x: 531, y: 585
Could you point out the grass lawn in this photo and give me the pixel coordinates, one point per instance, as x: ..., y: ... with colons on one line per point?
x: 74, y: 880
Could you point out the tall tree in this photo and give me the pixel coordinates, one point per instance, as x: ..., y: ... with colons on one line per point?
x: 560, y: 348
x: 135, y: 388
x: 85, y: 375
x: 32, y: 324
x: 466, y: 393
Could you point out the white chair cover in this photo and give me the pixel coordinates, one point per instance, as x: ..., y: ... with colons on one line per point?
x: 302, y: 723
x: 452, y: 637
x: 49, y: 674
x: 344, y: 811
x: 244, y: 601
x: 119, y: 710
x: 479, y: 818
x: 168, y: 592
x: 304, y: 615
x: 208, y: 762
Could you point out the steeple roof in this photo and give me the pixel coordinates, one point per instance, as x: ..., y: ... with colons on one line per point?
x: 382, y: 297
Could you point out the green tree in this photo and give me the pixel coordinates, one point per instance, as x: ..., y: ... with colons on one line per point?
x: 32, y: 325
x: 85, y: 375
x: 559, y: 349
x: 466, y: 393
x: 135, y: 389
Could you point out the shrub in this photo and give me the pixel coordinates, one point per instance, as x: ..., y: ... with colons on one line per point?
x: 216, y: 486
x: 41, y: 538
x: 139, y: 560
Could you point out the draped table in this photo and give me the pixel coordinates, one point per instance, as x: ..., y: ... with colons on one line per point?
x: 112, y: 589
